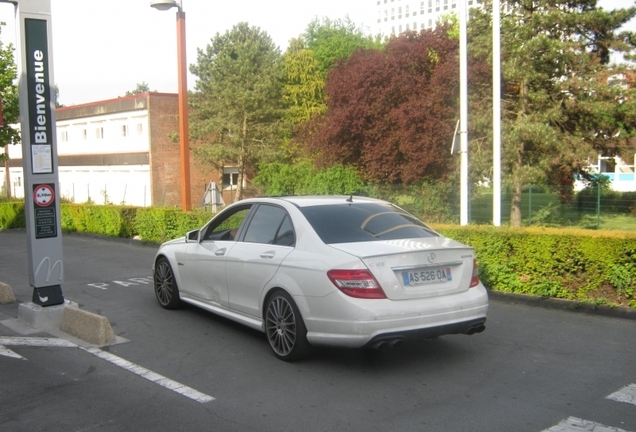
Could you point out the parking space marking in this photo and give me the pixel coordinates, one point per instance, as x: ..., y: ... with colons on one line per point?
x: 574, y: 424
x: 29, y: 341
x: 154, y: 377
x: 146, y: 280
x: 627, y: 394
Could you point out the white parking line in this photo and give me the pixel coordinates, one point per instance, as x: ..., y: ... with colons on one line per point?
x: 29, y: 341
x: 151, y: 376
x: 117, y: 361
x: 627, y: 394
x: 574, y: 424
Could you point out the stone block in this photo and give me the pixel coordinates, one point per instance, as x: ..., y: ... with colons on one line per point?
x: 6, y: 294
x: 87, y: 326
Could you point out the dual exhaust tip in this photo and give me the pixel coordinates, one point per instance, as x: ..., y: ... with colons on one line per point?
x: 475, y: 329
x: 385, y: 344
x: 388, y: 343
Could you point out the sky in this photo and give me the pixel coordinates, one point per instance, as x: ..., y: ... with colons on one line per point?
x: 103, y: 49
x: 100, y: 51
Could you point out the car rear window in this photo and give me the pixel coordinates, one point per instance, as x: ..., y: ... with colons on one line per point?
x: 346, y: 223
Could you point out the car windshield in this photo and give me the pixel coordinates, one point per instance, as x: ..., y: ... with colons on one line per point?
x: 362, y: 222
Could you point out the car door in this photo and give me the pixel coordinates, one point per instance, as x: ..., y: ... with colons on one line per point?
x: 255, y: 258
x: 204, y: 261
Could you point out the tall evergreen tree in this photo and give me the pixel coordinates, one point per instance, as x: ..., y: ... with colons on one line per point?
x: 237, y: 99
x: 558, y: 110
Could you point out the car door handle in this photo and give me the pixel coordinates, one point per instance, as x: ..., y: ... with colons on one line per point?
x: 268, y: 254
x: 220, y: 252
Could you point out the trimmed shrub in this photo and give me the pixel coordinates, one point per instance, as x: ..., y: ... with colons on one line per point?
x: 590, y: 266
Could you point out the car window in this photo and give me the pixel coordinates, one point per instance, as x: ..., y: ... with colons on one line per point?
x: 226, y: 226
x: 286, y: 235
x: 270, y: 225
x: 345, y: 223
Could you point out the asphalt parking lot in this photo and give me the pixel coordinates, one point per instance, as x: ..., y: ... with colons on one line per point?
x: 533, y: 369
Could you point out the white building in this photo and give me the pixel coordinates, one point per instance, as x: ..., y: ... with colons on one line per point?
x: 118, y: 151
x: 396, y: 16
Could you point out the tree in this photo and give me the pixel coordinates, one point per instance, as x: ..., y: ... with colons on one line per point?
x: 142, y: 87
x: 303, y: 93
x: 391, y: 112
x: 333, y: 40
x: 9, y: 96
x: 304, y: 178
x: 303, y: 83
x: 236, y: 106
x: 557, y: 107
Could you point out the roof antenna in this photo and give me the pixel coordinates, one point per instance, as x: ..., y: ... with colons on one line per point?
x: 350, y: 199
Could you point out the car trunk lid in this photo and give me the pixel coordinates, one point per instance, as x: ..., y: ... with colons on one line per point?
x: 416, y: 268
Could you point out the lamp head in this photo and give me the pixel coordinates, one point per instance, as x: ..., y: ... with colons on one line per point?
x: 164, y: 5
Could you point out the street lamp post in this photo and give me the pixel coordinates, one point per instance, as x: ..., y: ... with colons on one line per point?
x: 183, y: 98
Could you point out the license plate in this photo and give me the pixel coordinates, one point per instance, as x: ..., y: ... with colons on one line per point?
x: 427, y: 276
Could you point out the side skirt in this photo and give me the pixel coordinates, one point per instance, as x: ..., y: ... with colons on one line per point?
x: 233, y: 315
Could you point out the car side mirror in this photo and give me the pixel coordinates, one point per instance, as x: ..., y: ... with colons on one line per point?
x: 192, y: 236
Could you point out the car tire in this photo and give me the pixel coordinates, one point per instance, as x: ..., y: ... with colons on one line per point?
x: 166, y: 289
x: 285, y: 329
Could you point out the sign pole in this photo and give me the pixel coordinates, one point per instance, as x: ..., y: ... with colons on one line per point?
x: 39, y: 150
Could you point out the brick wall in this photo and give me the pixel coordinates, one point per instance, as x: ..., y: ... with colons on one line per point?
x: 165, y: 157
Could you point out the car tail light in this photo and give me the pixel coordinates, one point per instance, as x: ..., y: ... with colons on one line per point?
x: 474, y: 281
x: 357, y: 283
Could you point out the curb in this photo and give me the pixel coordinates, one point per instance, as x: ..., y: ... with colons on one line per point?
x: 561, y: 304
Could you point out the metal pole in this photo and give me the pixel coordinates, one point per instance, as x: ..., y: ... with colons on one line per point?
x: 184, y: 137
x: 530, y: 207
x: 496, y: 114
x: 463, y: 112
x: 598, y: 202
x: 7, y: 174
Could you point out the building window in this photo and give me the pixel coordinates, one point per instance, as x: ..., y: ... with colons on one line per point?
x: 437, y: 5
x: 124, y: 130
x: 445, y: 4
x: 99, y: 132
x: 430, y: 6
x: 84, y: 135
x: 140, y: 128
x: 64, y: 135
x: 230, y: 178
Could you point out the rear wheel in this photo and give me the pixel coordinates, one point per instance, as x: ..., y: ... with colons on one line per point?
x: 166, y: 288
x: 285, y: 328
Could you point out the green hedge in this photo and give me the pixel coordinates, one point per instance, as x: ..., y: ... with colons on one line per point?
x: 590, y: 266
x: 151, y: 224
x: 12, y: 215
x: 161, y: 224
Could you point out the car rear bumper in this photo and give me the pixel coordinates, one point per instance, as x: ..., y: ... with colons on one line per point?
x: 372, y: 322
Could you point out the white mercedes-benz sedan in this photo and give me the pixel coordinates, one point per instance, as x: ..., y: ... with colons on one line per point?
x: 342, y: 271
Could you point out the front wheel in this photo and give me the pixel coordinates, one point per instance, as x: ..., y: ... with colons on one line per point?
x: 286, y: 331
x: 166, y: 288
